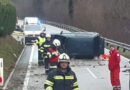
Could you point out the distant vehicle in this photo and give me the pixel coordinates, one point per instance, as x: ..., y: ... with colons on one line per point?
x: 32, y: 28
x: 81, y: 44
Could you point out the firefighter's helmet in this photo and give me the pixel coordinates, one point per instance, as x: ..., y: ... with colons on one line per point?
x: 64, y: 58
x: 42, y: 34
x: 48, y: 36
x: 56, y: 42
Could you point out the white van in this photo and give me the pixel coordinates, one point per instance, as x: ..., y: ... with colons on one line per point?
x: 32, y: 28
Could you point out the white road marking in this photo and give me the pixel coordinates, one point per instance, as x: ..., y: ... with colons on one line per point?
x: 92, y: 73
x: 26, y: 81
x: 11, y: 74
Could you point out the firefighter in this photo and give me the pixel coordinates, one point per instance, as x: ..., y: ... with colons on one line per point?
x: 45, y: 47
x: 39, y: 41
x: 54, y: 54
x: 63, y: 78
x: 114, y: 67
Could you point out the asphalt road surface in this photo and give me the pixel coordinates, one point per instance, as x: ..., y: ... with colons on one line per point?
x: 91, y: 74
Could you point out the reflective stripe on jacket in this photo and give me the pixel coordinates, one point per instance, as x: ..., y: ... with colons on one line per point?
x: 58, y: 80
x: 45, y: 48
x: 40, y: 40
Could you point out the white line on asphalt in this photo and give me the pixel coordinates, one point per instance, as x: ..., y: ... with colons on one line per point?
x: 26, y: 80
x: 92, y: 73
x: 7, y: 81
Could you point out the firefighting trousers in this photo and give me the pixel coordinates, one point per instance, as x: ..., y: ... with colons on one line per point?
x: 40, y: 58
x: 46, y: 61
x: 115, y: 78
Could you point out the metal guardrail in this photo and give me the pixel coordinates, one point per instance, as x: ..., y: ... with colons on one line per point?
x: 74, y: 29
x: 118, y: 44
x: 63, y: 26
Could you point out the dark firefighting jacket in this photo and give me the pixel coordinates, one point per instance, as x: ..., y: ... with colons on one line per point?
x: 57, y: 80
x: 114, y: 60
x: 45, y: 49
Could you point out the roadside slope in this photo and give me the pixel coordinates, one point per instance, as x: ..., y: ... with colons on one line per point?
x: 10, y: 50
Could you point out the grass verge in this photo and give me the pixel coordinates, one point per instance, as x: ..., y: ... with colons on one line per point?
x: 10, y: 50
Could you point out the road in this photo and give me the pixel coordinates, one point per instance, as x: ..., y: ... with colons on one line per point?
x: 91, y: 74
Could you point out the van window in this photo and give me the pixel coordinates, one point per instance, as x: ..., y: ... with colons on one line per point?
x: 33, y: 27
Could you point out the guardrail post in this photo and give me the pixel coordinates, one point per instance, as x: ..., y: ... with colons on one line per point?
x: 118, y: 47
x: 107, y: 44
x: 124, y: 49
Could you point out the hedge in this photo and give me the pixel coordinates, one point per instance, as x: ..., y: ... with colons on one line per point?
x: 7, y: 17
